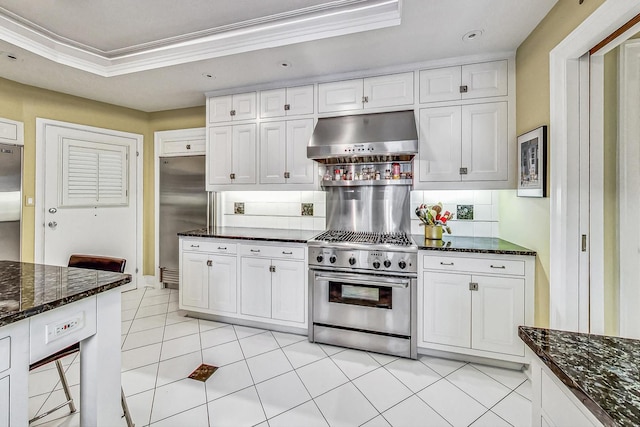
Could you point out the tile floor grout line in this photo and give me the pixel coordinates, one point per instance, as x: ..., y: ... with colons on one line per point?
x: 206, y: 395
x: 155, y: 384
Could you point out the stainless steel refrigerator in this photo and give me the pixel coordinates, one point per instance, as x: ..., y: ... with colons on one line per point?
x: 184, y: 205
x: 10, y: 201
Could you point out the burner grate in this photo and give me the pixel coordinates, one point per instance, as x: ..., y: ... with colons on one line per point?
x: 375, y: 238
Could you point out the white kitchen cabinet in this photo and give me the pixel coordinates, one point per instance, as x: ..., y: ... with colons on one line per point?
x: 291, y: 101
x: 208, y: 276
x: 273, y: 283
x: 182, y: 142
x: 368, y: 93
x: 241, y: 106
x: 231, y: 154
x: 464, y: 143
x: 471, y: 81
x: 283, y: 152
x: 194, y: 281
x: 473, y: 303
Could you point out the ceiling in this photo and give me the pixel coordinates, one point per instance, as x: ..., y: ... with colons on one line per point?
x: 154, y: 55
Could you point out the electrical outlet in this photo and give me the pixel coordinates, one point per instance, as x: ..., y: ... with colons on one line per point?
x: 66, y: 327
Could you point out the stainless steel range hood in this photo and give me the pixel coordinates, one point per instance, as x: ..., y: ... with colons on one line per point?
x: 364, y: 138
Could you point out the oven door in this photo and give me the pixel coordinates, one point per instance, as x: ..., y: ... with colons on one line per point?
x: 363, y: 301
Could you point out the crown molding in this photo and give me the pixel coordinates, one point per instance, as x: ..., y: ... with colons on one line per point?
x: 331, y: 20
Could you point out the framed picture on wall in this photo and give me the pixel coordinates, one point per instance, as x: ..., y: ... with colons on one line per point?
x: 532, y: 163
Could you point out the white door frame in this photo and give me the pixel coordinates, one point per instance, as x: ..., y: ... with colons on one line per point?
x: 41, y: 125
x: 567, y: 308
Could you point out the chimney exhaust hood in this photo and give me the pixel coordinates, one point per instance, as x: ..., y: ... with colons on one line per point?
x: 374, y: 137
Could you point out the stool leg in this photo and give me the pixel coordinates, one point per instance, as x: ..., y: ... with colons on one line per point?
x: 125, y: 408
x: 65, y: 386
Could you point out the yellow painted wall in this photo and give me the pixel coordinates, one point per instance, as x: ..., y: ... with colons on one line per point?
x: 525, y: 221
x: 26, y: 103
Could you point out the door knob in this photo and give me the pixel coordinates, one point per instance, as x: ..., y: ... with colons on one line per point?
x: 53, y: 210
x: 53, y: 224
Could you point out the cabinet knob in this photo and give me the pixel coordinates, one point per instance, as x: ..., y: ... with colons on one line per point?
x: 209, y: 263
x: 232, y: 176
x: 464, y: 89
x: 365, y: 99
x: 287, y: 175
x: 463, y: 171
x: 287, y: 107
x: 188, y: 146
x: 272, y: 268
x: 473, y: 286
x: 232, y: 112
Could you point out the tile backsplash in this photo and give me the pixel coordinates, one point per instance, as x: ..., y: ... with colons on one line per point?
x: 306, y: 210
x: 483, y: 204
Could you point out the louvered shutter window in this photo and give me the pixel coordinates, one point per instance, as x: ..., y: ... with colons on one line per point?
x: 93, y: 174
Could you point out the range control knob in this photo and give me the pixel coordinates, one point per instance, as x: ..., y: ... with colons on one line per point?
x: 352, y: 261
x: 319, y: 258
x: 387, y: 263
x: 402, y: 264
x: 376, y: 264
x: 332, y: 259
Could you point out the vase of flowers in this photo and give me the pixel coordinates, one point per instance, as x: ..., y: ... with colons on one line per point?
x: 433, y: 220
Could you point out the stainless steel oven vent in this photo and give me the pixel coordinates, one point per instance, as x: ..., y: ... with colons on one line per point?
x: 365, y: 138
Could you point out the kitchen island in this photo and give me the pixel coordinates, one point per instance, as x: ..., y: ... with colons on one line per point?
x: 44, y: 309
x: 583, y: 379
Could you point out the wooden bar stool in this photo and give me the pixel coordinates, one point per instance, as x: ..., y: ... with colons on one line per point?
x: 93, y: 262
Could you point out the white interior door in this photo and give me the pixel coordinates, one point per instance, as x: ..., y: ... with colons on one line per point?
x: 89, y: 198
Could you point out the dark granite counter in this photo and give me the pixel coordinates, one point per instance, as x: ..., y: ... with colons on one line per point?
x: 244, y: 233
x: 601, y: 371
x: 482, y: 245
x: 29, y: 289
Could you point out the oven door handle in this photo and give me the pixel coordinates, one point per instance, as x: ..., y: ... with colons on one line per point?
x: 392, y: 283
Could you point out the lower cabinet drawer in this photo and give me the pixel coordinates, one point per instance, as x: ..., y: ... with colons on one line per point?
x: 474, y: 265
x: 57, y: 329
x: 287, y: 252
x: 212, y: 247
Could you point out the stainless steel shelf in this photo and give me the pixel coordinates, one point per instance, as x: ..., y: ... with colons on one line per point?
x: 366, y: 182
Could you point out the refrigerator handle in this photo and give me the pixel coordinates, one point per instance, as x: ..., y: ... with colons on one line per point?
x: 208, y: 209
x: 211, y: 209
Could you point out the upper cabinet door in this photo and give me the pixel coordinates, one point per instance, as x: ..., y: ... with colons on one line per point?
x: 219, y: 109
x: 299, y: 100
x: 272, y: 103
x: 440, y: 149
x: 272, y: 152
x: 244, y: 106
x: 219, y: 148
x: 244, y: 154
x: 388, y: 91
x: 484, y: 79
x: 485, y: 142
x: 300, y: 170
x: 340, y: 96
x: 440, y: 84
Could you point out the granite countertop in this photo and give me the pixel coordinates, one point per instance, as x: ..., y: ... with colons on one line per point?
x: 483, y: 245
x: 245, y: 233
x: 29, y: 289
x: 601, y: 371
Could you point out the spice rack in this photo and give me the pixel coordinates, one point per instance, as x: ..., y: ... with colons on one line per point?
x: 362, y: 174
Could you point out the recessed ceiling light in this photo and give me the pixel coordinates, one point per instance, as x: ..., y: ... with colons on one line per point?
x: 208, y: 76
x: 285, y: 64
x: 472, y: 35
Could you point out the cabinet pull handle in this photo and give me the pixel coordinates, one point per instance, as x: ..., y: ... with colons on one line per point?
x: 498, y: 266
x: 232, y: 112
x: 255, y: 250
x: 195, y: 246
x: 446, y: 263
x: 287, y: 253
x: 209, y: 263
x: 221, y: 248
x: 287, y: 107
x: 464, y: 89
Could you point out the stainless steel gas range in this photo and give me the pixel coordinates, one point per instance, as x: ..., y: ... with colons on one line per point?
x: 363, y: 291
